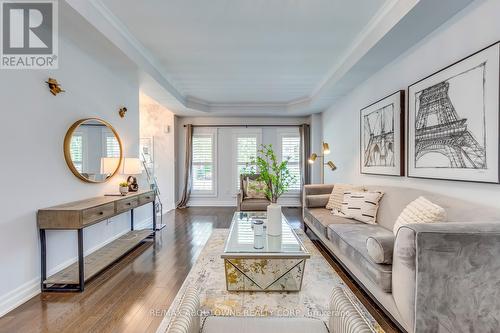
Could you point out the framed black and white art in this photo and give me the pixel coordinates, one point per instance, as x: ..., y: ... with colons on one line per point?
x: 382, y: 136
x: 453, y: 121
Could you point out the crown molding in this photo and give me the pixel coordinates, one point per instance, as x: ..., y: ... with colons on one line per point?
x: 322, y: 96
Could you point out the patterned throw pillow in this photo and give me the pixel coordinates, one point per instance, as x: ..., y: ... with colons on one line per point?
x: 361, y: 206
x: 255, y: 189
x: 420, y: 210
x: 337, y: 195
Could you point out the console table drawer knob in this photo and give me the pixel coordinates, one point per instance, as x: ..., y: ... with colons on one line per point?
x: 95, y: 214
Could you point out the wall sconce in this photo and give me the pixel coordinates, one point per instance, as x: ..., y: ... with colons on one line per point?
x: 54, y: 86
x: 330, y: 164
x: 122, y: 112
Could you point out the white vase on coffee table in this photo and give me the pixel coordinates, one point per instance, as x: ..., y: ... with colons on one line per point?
x: 274, y: 219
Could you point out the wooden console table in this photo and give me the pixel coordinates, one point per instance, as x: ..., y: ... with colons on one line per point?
x: 84, y: 213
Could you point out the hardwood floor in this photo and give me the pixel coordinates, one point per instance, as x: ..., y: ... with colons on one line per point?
x: 123, y: 297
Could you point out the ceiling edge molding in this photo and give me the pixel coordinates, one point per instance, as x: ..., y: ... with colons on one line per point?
x: 98, y: 14
x: 383, y: 21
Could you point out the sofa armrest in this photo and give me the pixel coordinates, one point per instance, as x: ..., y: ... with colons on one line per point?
x: 345, y: 317
x: 186, y: 318
x: 316, y: 195
x: 239, y: 199
x: 453, y: 273
x: 312, y: 189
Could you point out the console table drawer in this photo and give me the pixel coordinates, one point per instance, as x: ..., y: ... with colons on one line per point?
x: 97, y: 214
x: 145, y: 198
x: 127, y: 204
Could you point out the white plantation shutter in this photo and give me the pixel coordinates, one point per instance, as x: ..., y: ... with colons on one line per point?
x: 76, y: 151
x: 246, y: 149
x: 203, y: 163
x: 112, y: 146
x: 290, y: 148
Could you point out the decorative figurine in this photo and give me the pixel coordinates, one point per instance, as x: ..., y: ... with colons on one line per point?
x: 122, y: 112
x: 54, y: 86
x: 133, y: 186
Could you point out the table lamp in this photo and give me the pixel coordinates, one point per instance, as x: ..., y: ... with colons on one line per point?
x: 132, y: 166
x: 109, y: 165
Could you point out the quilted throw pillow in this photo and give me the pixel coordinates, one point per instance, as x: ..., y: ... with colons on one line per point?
x: 361, y: 206
x: 420, y: 210
x: 337, y: 195
x: 255, y: 189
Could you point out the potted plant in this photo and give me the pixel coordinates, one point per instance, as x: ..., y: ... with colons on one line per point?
x: 123, y: 188
x: 277, y: 178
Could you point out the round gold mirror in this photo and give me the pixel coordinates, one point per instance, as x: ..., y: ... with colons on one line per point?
x: 93, y: 150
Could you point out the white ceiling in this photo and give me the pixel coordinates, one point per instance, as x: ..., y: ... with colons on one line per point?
x: 237, y: 51
x: 260, y: 57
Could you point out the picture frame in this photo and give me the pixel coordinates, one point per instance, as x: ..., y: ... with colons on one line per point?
x: 382, y: 136
x: 453, y: 121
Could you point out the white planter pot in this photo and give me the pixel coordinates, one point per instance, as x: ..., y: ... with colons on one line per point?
x: 123, y: 190
x: 274, y: 220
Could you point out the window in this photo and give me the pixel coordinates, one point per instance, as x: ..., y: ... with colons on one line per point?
x: 203, y: 169
x: 290, y: 149
x: 246, y: 148
x: 76, y: 151
x: 112, y: 145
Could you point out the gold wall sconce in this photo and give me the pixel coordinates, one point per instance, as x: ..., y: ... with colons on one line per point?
x: 330, y: 164
x: 122, y: 112
x: 54, y: 86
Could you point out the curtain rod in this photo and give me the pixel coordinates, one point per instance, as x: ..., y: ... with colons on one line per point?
x: 267, y: 125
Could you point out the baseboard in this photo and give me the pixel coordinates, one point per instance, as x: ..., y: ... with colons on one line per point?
x: 212, y: 203
x: 18, y: 296
x: 285, y: 202
x: 30, y: 289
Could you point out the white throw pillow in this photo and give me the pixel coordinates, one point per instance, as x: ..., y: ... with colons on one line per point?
x: 337, y: 195
x: 420, y: 210
x: 361, y: 206
x: 256, y: 189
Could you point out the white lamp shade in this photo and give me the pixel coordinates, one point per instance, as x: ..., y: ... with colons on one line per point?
x: 131, y: 166
x: 109, y: 165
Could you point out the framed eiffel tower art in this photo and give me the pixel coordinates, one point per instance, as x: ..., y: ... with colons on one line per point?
x: 382, y: 136
x: 453, y: 121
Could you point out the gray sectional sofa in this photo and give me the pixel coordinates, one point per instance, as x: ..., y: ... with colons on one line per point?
x: 440, y: 277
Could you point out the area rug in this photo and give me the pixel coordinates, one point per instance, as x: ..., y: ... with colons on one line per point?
x: 312, y: 301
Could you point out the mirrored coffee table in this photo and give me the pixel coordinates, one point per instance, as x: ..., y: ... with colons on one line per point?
x: 263, y: 263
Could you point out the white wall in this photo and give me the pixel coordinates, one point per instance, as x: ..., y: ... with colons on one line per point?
x: 316, y: 145
x: 474, y: 28
x: 226, y: 192
x: 158, y: 122
x: 34, y: 172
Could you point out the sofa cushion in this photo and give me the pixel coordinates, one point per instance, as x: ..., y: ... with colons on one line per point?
x: 420, y: 210
x: 254, y: 204
x: 255, y: 189
x: 321, y: 218
x: 263, y: 325
x: 337, y: 195
x: 361, y: 206
x: 380, y: 248
x: 350, y: 239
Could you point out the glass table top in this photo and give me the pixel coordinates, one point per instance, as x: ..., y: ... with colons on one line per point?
x: 242, y: 240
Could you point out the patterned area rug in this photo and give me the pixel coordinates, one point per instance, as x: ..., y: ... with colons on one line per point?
x: 312, y: 301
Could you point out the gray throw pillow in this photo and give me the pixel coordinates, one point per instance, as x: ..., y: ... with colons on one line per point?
x: 380, y: 248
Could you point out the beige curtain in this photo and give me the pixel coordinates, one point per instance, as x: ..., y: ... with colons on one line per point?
x: 305, y: 152
x: 188, y: 163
